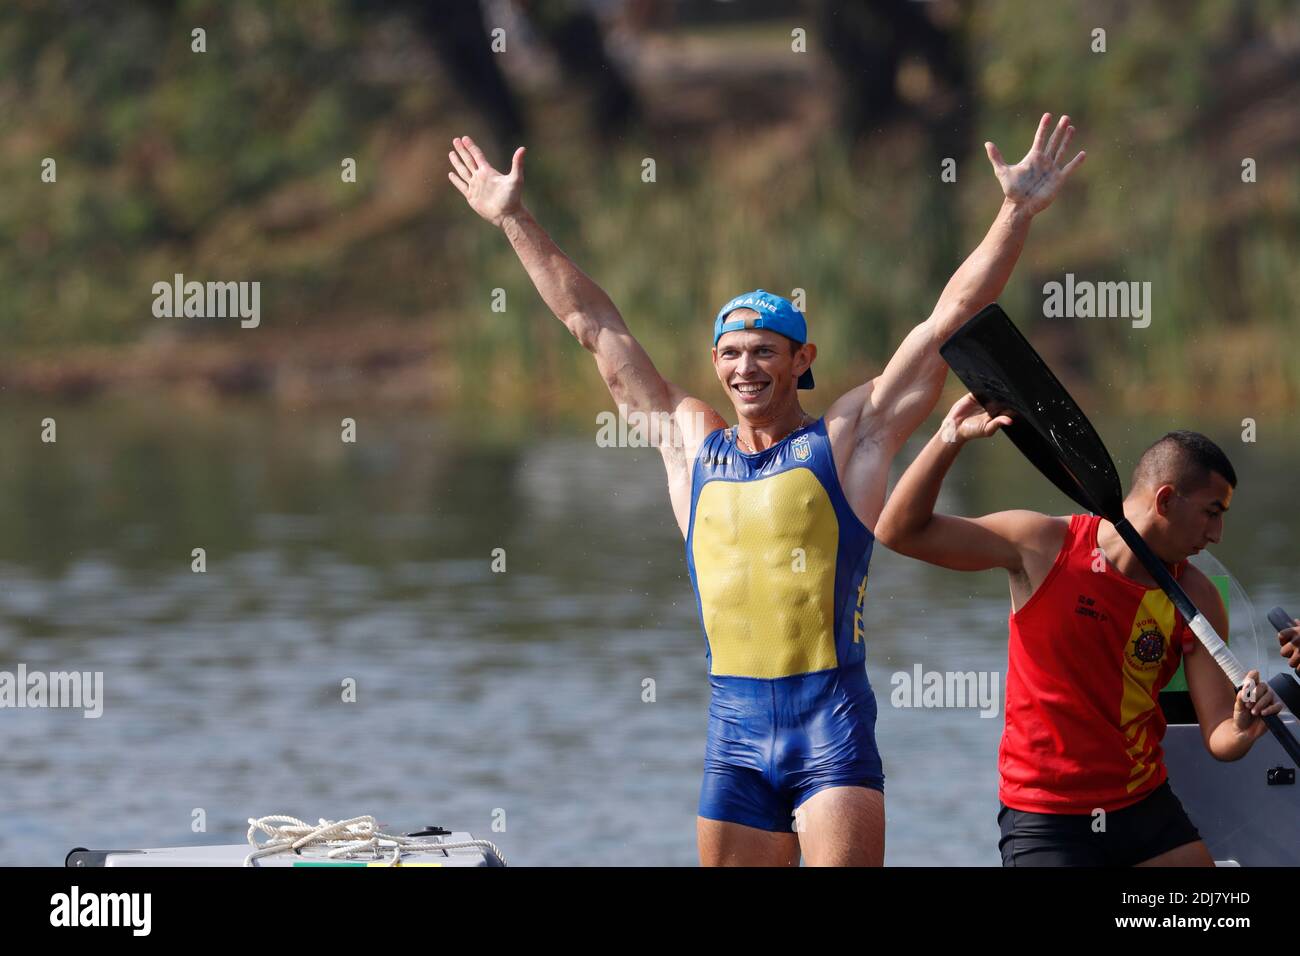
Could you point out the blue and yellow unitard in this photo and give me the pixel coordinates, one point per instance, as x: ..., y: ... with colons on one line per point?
x: 779, y: 562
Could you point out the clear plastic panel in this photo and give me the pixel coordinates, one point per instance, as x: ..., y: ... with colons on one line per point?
x: 1243, y: 635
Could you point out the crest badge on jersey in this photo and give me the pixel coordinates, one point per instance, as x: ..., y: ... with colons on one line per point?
x: 1147, y: 648
x: 801, y: 447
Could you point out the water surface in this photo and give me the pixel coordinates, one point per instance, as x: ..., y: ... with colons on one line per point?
x: 481, y: 696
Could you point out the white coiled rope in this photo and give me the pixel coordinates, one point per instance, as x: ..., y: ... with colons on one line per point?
x: 345, y: 839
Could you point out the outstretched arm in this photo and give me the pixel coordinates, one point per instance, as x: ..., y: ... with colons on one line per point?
x: 571, y: 295
x: 889, y: 408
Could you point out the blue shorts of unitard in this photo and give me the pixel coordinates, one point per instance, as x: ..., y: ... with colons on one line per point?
x: 772, y: 744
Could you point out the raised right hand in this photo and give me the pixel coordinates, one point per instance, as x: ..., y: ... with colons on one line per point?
x: 491, y: 194
x: 967, y: 420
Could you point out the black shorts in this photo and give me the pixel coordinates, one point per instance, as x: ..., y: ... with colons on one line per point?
x: 1155, y: 824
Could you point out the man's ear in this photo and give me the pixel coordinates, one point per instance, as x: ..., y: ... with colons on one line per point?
x: 809, y: 351
x: 1164, y: 495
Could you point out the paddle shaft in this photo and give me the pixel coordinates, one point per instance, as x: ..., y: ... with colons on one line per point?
x: 1202, y: 628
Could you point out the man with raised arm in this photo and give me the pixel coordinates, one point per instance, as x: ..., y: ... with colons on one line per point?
x: 1093, y: 640
x: 777, y: 514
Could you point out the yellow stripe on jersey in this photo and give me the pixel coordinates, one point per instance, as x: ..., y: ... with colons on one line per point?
x: 1145, y: 653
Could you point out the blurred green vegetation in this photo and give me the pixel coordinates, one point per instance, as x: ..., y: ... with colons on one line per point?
x: 225, y: 165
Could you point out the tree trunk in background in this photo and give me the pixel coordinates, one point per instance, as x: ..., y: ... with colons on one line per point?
x: 459, y: 37
x: 868, y: 45
x: 572, y: 32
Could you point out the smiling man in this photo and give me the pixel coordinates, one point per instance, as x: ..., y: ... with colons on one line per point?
x: 777, y: 514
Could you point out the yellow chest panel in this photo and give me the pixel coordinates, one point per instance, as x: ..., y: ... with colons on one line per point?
x: 765, y: 556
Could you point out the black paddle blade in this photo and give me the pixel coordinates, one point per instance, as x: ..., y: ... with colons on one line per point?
x: 1004, y: 373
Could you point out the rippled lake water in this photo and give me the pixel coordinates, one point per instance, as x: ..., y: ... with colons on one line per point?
x: 480, y: 696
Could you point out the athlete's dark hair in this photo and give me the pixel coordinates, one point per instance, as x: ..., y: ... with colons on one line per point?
x: 1184, y: 459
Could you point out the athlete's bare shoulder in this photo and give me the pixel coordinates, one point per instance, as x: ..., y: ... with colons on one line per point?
x: 692, y: 421
x: 1038, y: 538
x: 695, y: 420
x: 1046, y: 533
x: 844, y: 423
x: 861, y: 463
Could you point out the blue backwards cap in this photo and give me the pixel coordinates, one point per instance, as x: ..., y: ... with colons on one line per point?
x: 774, y: 313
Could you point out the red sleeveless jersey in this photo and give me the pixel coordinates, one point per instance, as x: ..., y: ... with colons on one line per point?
x: 1088, y: 655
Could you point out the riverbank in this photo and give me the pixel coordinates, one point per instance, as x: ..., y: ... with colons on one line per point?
x: 416, y: 363
x: 389, y: 361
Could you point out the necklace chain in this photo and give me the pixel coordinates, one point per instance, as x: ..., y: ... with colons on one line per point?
x: 754, y: 451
